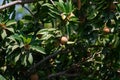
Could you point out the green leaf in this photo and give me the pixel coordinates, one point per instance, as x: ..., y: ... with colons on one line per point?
x: 43, y: 31
x: 51, y: 29
x: 15, y: 37
x: 48, y: 5
x: 116, y: 43
x: 38, y: 49
x: 92, y: 15
x: 4, y: 34
x: 2, y: 78
x: 52, y: 15
x: 46, y: 31
x: 11, y: 22
x: 17, y: 57
x: 70, y: 42
x: 68, y: 7
x: 10, y: 29
x: 27, y: 17
x: 30, y: 58
x: 26, y: 40
x: 9, y: 49
x: 24, y: 62
x: 24, y: 21
x: 61, y: 6
x: 46, y: 37
x: 55, y: 12
x: 15, y: 47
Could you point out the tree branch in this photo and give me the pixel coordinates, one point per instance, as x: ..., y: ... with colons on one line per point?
x: 79, y: 4
x: 43, y: 60
x: 63, y: 73
x: 72, y: 75
x: 56, y: 74
x: 29, y: 11
x: 15, y: 3
x: 70, y: 72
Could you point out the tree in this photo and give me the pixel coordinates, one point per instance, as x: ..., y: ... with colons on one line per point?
x: 60, y: 40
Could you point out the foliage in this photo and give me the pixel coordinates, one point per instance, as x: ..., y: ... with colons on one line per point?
x: 92, y: 52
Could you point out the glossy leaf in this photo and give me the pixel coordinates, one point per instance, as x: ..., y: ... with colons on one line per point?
x: 38, y: 49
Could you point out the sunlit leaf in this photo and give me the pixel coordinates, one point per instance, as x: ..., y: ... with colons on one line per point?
x: 10, y: 29
x: 30, y: 58
x: 24, y: 61
x: 38, y: 49
x: 4, y: 34
x: 11, y: 22
x: 17, y: 57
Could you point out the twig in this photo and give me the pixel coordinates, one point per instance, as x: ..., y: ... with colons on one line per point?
x: 56, y: 74
x: 79, y: 4
x: 15, y: 3
x: 29, y: 11
x: 72, y: 75
x: 63, y: 73
x: 67, y: 72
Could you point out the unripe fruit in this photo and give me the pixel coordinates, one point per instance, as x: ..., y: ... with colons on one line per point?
x: 64, y: 40
x: 63, y: 16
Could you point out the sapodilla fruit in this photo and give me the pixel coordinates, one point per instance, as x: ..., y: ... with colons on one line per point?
x: 64, y: 40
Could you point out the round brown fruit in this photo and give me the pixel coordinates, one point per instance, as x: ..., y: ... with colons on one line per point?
x: 64, y: 40
x: 34, y: 77
x: 106, y: 29
x: 112, y: 7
